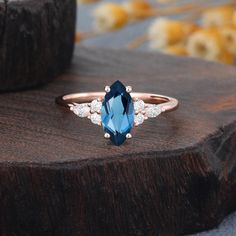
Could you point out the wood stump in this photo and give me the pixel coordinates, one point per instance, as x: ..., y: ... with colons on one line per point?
x: 58, y: 176
x: 36, y: 41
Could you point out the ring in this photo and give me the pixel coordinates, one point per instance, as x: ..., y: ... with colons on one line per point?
x: 117, y: 109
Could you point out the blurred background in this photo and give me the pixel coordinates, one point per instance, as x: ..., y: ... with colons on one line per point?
x: 203, y: 29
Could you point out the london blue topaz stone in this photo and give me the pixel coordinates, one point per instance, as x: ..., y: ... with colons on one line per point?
x: 117, y: 113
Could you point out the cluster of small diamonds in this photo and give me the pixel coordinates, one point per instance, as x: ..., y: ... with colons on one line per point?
x: 91, y: 110
x: 144, y: 111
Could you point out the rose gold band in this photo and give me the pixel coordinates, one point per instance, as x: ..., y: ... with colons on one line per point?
x: 166, y: 103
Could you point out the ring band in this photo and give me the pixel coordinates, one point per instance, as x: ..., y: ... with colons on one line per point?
x: 117, y: 109
x: 167, y: 103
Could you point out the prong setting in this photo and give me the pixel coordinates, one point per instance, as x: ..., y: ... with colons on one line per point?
x: 128, y: 89
x: 107, y: 89
x: 143, y: 112
x: 107, y: 135
x: 96, y: 109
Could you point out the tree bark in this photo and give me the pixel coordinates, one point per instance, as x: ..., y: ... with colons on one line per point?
x: 177, y: 175
x: 36, y: 41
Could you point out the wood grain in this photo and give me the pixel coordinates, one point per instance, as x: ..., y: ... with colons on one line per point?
x: 58, y: 176
x: 36, y: 41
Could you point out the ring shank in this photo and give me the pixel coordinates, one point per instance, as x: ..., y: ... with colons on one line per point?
x: 166, y: 103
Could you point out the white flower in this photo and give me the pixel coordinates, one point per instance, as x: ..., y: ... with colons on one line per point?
x: 164, y: 32
x: 206, y: 44
x: 218, y: 16
x: 109, y: 16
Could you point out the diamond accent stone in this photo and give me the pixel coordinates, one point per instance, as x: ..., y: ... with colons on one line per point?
x: 96, y: 119
x: 139, y: 106
x: 139, y: 119
x: 96, y: 106
x: 81, y: 110
x: 152, y: 110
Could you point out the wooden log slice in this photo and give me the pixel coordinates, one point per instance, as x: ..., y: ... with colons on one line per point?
x: 36, y: 41
x: 59, y: 176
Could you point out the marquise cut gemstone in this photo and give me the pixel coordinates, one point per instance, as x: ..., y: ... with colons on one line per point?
x: 117, y: 113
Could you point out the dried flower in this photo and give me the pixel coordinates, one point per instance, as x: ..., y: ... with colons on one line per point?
x: 229, y: 35
x: 109, y: 16
x: 78, y: 37
x: 226, y: 57
x: 164, y: 32
x: 176, y: 50
x: 218, y: 16
x: 137, y: 9
x: 234, y: 18
x: 86, y: 1
x: 206, y: 43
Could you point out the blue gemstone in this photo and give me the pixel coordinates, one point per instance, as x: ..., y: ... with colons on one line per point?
x: 117, y: 113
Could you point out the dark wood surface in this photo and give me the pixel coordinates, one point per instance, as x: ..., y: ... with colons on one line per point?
x: 58, y: 176
x: 36, y: 41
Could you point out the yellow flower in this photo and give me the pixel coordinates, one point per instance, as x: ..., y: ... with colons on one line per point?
x: 109, y: 16
x: 176, y: 50
x: 218, y: 16
x: 137, y: 9
x: 78, y: 37
x: 206, y: 43
x: 229, y: 35
x: 234, y: 18
x: 164, y: 32
x: 226, y: 57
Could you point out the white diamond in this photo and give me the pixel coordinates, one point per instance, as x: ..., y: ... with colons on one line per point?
x: 139, y: 119
x: 81, y: 110
x: 96, y: 119
x: 96, y: 106
x: 153, y: 111
x: 139, y: 106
